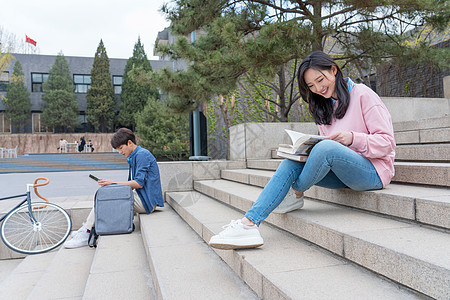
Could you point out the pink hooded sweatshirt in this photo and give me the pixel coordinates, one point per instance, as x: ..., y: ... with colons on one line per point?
x: 370, y: 123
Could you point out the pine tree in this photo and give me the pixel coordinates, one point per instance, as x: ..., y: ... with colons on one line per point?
x: 60, y: 104
x: 135, y: 94
x: 264, y: 37
x: 162, y: 131
x: 17, y: 101
x: 101, y: 102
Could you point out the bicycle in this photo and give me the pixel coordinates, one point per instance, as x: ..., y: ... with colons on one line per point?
x: 34, y: 227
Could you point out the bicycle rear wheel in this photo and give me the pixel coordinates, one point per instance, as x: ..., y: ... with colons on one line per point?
x: 52, y: 228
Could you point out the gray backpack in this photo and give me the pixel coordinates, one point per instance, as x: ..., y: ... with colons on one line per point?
x: 114, y: 211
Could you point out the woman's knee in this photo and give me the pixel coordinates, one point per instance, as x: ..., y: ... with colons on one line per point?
x: 326, y: 147
x: 288, y: 164
x: 288, y: 168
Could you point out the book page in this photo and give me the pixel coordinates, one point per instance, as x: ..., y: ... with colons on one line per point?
x: 294, y: 135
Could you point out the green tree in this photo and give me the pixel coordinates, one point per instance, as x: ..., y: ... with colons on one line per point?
x: 267, y: 37
x: 5, y: 60
x: 135, y: 94
x: 17, y: 101
x: 60, y: 109
x: 163, y: 132
x: 101, y: 102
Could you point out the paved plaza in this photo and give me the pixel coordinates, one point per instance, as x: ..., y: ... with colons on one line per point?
x: 62, y: 184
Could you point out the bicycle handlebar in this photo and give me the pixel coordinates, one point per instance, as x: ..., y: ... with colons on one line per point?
x: 35, y: 185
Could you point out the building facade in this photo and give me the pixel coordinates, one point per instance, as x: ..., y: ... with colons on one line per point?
x: 36, y: 68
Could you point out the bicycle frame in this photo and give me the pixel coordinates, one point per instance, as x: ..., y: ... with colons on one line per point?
x: 12, y: 197
x: 28, y: 198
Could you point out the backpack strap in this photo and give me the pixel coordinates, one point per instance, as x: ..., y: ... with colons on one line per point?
x: 94, y: 236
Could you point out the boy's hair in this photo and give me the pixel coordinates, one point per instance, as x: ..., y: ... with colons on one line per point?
x: 121, y: 137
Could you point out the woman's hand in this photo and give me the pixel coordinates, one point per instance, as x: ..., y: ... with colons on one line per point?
x: 343, y: 137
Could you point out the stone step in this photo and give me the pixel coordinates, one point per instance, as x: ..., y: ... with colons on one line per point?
x: 19, y: 283
x: 6, y: 253
x: 428, y: 173
x: 412, y: 255
x: 424, y: 152
x: 183, y: 266
x: 7, y: 266
x: 285, y: 267
x: 66, y: 275
x: 432, y: 130
x: 427, y: 205
x: 120, y: 269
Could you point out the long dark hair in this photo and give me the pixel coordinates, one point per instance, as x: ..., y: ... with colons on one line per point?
x: 320, y: 107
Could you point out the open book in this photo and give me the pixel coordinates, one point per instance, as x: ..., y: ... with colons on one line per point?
x: 301, y: 145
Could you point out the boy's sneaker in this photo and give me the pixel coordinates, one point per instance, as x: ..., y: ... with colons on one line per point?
x: 237, y: 236
x: 79, y: 239
x: 290, y: 202
x: 82, y: 229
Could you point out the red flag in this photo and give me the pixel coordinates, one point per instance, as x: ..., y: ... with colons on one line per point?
x: 31, y: 41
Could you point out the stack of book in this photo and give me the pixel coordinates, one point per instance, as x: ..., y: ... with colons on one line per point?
x: 301, y: 145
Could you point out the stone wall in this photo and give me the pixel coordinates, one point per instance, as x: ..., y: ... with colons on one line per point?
x: 30, y: 143
x: 256, y: 140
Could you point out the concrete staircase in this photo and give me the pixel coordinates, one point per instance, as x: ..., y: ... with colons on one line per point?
x: 388, y: 244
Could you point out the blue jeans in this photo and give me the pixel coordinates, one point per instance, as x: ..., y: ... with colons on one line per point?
x: 330, y: 165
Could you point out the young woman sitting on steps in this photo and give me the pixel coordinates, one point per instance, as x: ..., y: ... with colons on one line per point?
x: 358, y: 155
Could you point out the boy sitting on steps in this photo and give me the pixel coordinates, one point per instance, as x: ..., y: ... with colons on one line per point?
x: 143, y: 177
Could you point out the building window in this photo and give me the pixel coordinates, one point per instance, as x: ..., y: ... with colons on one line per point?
x: 37, y: 124
x: 82, y: 83
x: 37, y: 80
x: 5, y: 124
x: 4, y: 81
x: 117, y: 83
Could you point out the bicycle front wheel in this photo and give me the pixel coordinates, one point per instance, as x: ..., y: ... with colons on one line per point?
x: 20, y: 234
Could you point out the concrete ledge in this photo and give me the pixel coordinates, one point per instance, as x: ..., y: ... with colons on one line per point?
x: 285, y: 267
x: 331, y: 227
x: 22, y: 279
x: 424, y: 152
x: 182, y: 265
x: 120, y: 269
x: 179, y: 176
x: 429, y: 205
x: 422, y: 173
x: 67, y: 263
x: 420, y: 124
x: 255, y: 140
x: 409, y: 109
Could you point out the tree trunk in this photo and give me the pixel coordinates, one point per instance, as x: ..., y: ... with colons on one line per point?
x: 317, y: 26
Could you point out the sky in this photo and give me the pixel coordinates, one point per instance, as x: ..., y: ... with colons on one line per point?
x: 76, y: 27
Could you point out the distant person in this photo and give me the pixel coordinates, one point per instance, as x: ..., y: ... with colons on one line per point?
x: 143, y: 177
x: 62, y: 145
x: 82, y: 144
x: 358, y: 155
x: 90, y: 146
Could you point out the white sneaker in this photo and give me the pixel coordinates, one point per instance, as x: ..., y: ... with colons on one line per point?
x: 237, y: 236
x: 79, y: 239
x: 290, y: 202
x: 82, y: 229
